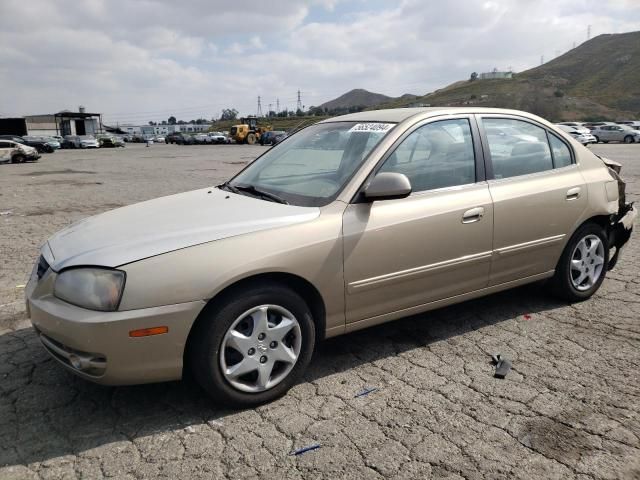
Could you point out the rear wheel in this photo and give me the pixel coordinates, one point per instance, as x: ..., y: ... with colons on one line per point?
x: 583, y: 264
x: 253, y: 346
x: 628, y: 139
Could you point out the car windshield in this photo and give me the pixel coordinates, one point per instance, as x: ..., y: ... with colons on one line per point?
x: 311, y: 167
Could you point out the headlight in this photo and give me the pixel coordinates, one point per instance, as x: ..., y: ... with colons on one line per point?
x: 92, y: 288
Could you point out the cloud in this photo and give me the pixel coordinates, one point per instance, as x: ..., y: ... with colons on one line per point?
x: 146, y: 60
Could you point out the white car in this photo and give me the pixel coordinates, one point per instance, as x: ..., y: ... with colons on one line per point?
x: 14, y: 152
x: 89, y: 141
x: 582, y: 135
x: 218, y: 137
x: 159, y: 139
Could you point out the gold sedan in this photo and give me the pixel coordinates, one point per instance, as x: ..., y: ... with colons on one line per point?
x: 348, y: 223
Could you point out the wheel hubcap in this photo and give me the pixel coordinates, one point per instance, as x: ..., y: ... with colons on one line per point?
x: 260, y: 348
x: 587, y: 262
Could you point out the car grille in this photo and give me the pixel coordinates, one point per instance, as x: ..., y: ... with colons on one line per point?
x: 43, y: 266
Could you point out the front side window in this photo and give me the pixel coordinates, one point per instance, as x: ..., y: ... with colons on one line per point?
x: 437, y: 155
x: 517, y: 147
x: 311, y: 167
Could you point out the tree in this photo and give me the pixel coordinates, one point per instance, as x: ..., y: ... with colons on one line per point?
x: 229, y: 114
x: 474, y: 77
x: 171, y: 120
x: 153, y: 123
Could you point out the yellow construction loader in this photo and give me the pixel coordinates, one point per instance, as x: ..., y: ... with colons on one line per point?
x: 248, y: 130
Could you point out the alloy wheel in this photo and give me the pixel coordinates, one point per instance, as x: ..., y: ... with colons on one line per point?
x: 260, y: 348
x: 587, y: 262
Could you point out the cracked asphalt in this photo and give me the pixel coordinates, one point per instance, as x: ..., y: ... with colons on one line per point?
x: 569, y: 408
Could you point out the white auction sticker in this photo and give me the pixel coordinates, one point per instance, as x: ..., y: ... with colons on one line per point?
x: 372, y: 127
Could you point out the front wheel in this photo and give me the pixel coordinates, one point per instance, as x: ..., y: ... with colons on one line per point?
x: 628, y: 139
x: 253, y: 346
x: 251, y: 139
x: 583, y: 264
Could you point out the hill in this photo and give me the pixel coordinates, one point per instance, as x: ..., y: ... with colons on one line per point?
x: 596, y: 80
x: 357, y: 97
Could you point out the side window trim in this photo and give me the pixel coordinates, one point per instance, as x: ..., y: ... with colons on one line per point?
x: 485, y: 141
x: 553, y: 157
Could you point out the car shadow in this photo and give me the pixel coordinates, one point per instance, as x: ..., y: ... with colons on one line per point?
x: 46, y: 412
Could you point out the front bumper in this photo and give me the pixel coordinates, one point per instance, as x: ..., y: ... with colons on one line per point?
x: 97, y: 346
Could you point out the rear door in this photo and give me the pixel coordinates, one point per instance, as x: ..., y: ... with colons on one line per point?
x: 434, y: 244
x: 538, y: 195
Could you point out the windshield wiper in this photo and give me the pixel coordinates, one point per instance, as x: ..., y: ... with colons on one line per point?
x: 252, y: 189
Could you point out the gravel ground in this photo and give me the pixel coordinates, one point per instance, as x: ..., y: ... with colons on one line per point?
x: 569, y: 408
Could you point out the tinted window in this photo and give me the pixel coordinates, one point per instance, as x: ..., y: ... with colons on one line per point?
x: 517, y: 147
x: 561, y: 152
x: 5, y: 145
x: 436, y: 155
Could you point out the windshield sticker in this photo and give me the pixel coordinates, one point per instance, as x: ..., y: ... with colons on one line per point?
x: 372, y: 127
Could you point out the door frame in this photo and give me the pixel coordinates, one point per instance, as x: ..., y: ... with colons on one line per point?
x: 478, y: 150
x: 488, y: 162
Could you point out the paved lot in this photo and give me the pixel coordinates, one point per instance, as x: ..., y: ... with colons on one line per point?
x: 570, y: 408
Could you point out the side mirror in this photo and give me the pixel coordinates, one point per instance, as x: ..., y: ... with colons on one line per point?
x: 388, y: 186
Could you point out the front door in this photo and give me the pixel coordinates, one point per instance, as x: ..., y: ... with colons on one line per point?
x: 434, y: 244
x: 538, y: 195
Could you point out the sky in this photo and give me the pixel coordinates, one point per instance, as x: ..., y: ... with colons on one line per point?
x: 141, y: 60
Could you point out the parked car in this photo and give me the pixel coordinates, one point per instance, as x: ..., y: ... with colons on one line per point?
x: 52, y: 142
x: 40, y: 146
x: 218, y: 137
x: 88, y: 141
x: 158, y: 139
x: 582, y: 135
x: 268, y: 138
x: 201, y: 138
x: 280, y: 137
x: 14, y: 152
x: 592, y: 125
x: 179, y: 138
x: 70, y: 141
x: 571, y: 124
x: 238, y: 283
x: 616, y: 133
x: 631, y: 123
x: 109, y: 141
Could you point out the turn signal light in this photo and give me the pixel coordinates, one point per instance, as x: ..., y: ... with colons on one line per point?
x: 145, y: 332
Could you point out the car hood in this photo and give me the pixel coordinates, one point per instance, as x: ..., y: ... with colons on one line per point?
x: 168, y: 223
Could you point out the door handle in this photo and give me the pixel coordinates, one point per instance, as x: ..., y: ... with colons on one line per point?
x: 473, y: 215
x: 573, y: 193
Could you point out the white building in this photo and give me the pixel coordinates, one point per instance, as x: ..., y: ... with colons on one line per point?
x: 495, y: 74
x: 64, y: 123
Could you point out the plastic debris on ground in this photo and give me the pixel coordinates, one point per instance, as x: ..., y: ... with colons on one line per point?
x: 527, y: 316
x: 502, y: 365
x: 364, y: 392
x: 302, y: 450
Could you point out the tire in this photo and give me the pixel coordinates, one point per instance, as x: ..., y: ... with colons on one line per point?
x: 207, y: 357
x: 597, y: 139
x: 251, y: 138
x: 564, y: 283
x: 605, y: 141
x: 628, y: 139
x: 19, y: 158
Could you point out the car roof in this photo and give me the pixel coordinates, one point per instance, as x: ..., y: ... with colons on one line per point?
x: 397, y: 115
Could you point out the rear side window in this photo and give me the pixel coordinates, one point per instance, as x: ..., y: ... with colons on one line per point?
x: 517, y: 147
x: 561, y: 152
x: 437, y: 155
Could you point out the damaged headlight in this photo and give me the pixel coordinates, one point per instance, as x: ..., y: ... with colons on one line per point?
x: 92, y: 288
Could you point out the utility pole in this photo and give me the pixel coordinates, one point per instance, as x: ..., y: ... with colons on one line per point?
x: 589, y: 32
x: 541, y: 59
x: 259, y: 114
x: 270, y: 109
x: 299, y: 104
x: 277, y: 105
